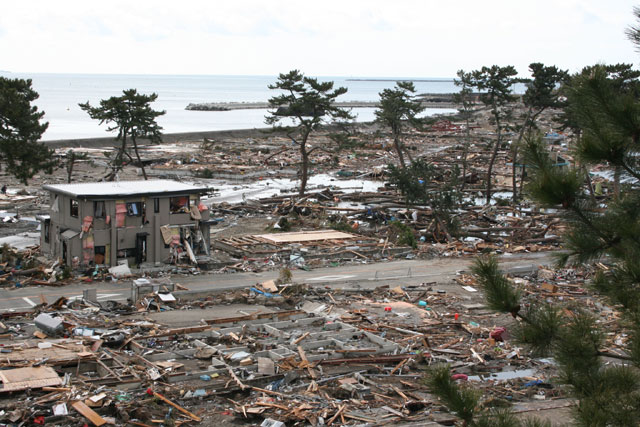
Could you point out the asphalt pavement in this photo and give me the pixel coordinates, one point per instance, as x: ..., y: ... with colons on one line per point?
x: 370, y: 275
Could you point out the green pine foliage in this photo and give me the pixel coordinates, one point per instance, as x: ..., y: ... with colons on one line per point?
x: 608, y: 394
x: 501, y: 295
x: 20, y: 131
x: 541, y: 328
x: 426, y: 184
x: 132, y: 117
x: 465, y: 402
x: 303, y: 105
x: 495, y: 85
x: 543, y: 92
x: 398, y: 110
x: 462, y: 401
x: 465, y: 99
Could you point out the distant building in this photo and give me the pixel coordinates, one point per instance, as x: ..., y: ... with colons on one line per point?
x: 103, y: 223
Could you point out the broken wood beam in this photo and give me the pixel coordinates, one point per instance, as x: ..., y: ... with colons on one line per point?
x: 88, y: 413
x: 178, y: 407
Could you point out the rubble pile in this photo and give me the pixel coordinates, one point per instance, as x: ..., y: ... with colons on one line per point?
x: 293, y: 354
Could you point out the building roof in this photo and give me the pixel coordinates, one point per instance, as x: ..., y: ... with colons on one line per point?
x: 114, y: 189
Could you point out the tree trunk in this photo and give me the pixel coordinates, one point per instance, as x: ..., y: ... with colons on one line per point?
x: 70, y: 162
x: 398, y: 147
x: 116, y: 164
x: 465, y: 153
x: 522, y: 173
x: 515, y: 149
x: 492, y: 161
x: 135, y: 148
x: 304, y: 167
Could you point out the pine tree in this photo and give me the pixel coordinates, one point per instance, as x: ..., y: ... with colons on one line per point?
x: 132, y: 117
x: 604, y: 102
x: 424, y: 183
x: 303, y: 106
x: 399, y: 109
x: 495, y: 84
x: 465, y: 402
x: 71, y: 157
x: 20, y: 131
x: 542, y: 93
x: 465, y: 98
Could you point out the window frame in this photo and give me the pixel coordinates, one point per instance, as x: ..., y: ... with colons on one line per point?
x: 139, y: 208
x: 74, y: 203
x: 47, y: 230
x: 104, y: 209
x: 188, y: 205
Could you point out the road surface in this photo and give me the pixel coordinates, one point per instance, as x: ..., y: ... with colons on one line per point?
x: 402, y: 272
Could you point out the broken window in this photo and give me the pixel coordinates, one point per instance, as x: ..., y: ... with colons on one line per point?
x: 156, y: 205
x: 179, y: 204
x: 99, y: 254
x: 126, y: 253
x: 98, y: 209
x: 134, y: 209
x: 74, y: 208
x: 47, y: 229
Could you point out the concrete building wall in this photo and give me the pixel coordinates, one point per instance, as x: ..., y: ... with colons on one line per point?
x: 105, y: 241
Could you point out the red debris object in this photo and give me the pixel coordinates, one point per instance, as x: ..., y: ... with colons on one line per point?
x: 456, y: 316
x: 445, y: 126
x: 387, y: 309
x: 39, y: 420
x: 462, y: 377
x: 496, y: 334
x: 149, y: 391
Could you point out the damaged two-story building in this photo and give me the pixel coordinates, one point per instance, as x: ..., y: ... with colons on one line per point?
x: 104, y: 223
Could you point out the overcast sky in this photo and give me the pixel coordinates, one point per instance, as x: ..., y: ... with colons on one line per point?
x: 421, y: 38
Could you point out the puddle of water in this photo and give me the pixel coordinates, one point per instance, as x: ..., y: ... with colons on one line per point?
x: 503, y: 376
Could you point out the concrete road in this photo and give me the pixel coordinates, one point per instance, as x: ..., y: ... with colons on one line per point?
x: 403, y: 272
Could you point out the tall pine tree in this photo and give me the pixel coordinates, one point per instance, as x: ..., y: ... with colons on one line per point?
x: 20, y: 131
x: 302, y: 107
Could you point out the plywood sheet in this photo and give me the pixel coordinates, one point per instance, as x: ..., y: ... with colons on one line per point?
x: 306, y: 236
x: 26, y: 378
x: 64, y: 351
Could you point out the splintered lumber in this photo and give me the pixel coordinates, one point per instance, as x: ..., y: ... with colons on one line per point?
x: 398, y: 366
x: 236, y: 379
x: 178, y: 407
x: 337, y: 414
x: 306, y: 363
x: 88, y: 413
x: 378, y: 359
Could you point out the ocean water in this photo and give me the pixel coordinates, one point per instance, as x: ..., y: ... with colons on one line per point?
x: 61, y: 93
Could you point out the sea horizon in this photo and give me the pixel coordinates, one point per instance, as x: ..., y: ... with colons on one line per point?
x: 60, y: 94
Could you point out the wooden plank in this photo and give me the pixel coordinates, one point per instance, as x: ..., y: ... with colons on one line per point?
x: 178, y: 407
x: 88, y: 413
x: 306, y: 236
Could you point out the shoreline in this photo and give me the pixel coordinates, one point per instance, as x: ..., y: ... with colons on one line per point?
x: 435, y: 102
x: 195, y: 136
x: 428, y: 100
x: 104, y: 141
